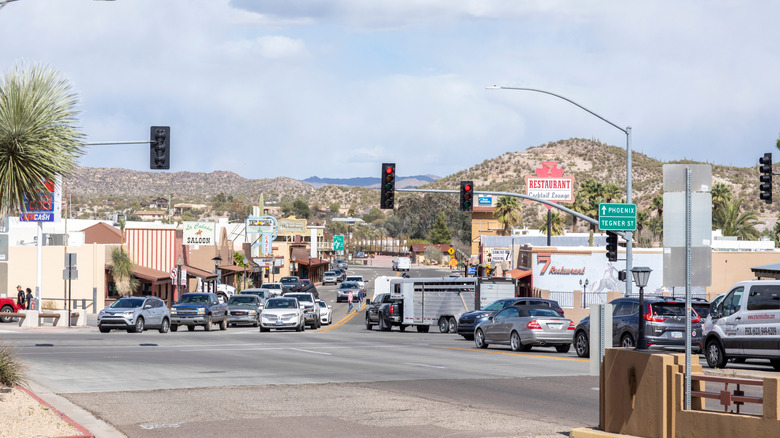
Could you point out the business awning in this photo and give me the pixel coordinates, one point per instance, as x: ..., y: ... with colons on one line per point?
x: 231, y: 268
x: 518, y: 273
x: 312, y: 262
x: 200, y: 273
x: 152, y: 275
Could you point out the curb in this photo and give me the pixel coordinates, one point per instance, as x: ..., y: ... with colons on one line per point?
x: 80, y: 428
x: 587, y: 432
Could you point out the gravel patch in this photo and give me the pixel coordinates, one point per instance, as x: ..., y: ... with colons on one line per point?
x: 23, y: 416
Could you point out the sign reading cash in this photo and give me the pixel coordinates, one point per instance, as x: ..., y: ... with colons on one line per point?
x: 550, y: 184
x: 198, y: 233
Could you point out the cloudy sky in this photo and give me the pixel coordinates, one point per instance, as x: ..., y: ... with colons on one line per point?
x: 333, y: 88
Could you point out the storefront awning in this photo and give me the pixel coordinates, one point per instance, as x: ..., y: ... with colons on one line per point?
x: 200, y: 273
x: 518, y: 273
x: 231, y: 268
x: 152, y: 275
x: 312, y: 262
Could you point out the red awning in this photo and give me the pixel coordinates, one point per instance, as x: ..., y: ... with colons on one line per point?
x: 518, y: 273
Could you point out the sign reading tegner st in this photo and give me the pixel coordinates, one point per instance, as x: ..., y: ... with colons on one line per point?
x: 617, y: 217
x: 198, y: 233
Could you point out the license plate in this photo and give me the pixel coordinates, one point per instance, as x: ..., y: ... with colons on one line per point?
x: 278, y: 322
x: 677, y: 335
x: 555, y: 325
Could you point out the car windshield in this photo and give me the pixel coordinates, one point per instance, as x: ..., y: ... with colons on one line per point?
x: 193, y: 299
x: 247, y: 300
x: 272, y: 286
x: 703, y: 309
x: 348, y: 285
x: 289, y: 280
x: 354, y: 279
x: 300, y: 297
x: 497, y: 305
x: 330, y: 273
x: 127, y: 303
x: 543, y: 312
x: 280, y: 304
x: 322, y: 304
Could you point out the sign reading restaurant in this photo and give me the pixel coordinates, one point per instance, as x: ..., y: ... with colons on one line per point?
x: 550, y: 184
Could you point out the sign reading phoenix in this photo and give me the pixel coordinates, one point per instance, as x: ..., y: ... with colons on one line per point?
x: 550, y: 184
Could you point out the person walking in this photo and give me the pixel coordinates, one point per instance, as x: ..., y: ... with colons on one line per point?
x: 29, y: 298
x: 349, y: 300
x: 360, y: 299
x: 20, y: 296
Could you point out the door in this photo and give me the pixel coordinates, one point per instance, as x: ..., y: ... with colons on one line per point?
x: 760, y: 321
x: 727, y: 323
x: 622, y: 320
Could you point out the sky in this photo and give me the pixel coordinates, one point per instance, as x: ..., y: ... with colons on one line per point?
x: 334, y: 88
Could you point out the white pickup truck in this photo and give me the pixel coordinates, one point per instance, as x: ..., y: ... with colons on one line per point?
x: 402, y: 264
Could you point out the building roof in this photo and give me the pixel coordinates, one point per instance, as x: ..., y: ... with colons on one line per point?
x: 420, y: 247
x: 767, y: 271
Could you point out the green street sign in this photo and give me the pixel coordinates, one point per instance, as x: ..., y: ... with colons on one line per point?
x: 617, y: 217
x: 338, y: 243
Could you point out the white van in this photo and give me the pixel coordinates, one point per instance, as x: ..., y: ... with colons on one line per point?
x: 402, y: 264
x: 745, y: 324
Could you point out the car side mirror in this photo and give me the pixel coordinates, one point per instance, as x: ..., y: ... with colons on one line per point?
x: 490, y: 318
x: 148, y: 306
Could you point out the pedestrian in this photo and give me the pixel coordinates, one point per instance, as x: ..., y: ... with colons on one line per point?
x: 349, y: 300
x: 360, y: 298
x: 20, y: 296
x: 29, y: 298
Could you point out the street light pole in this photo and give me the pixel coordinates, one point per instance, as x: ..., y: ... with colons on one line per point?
x: 629, y: 235
x: 179, y: 262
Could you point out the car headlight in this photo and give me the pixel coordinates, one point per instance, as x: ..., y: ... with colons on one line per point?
x: 483, y: 316
x: 201, y: 311
x: 173, y: 311
x: 253, y: 312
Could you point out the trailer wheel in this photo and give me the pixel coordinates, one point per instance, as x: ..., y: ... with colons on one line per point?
x: 453, y: 325
x: 443, y: 325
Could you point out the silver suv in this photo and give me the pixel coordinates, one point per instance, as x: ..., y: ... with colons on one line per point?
x: 745, y: 324
x: 135, y: 314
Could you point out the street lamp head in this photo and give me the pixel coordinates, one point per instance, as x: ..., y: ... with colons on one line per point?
x: 641, y: 275
x: 179, y: 262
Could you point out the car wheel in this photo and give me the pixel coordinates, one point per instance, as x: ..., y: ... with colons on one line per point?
x: 716, y: 357
x: 191, y: 328
x: 479, y: 339
x: 382, y: 326
x: 453, y: 325
x: 174, y: 327
x: 8, y: 309
x: 368, y: 323
x: 514, y: 342
x: 104, y: 329
x: 582, y: 345
x: 139, y: 325
x: 563, y: 348
x: 207, y: 327
x: 223, y: 324
x: 301, y: 327
x: 165, y: 326
x: 627, y: 341
x: 443, y: 325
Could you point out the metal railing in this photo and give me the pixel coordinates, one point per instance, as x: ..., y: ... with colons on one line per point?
x: 564, y: 298
x: 589, y: 298
x: 727, y: 398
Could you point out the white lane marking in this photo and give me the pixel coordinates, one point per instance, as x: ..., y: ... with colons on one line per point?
x: 313, y: 352
x: 159, y: 426
x: 426, y: 366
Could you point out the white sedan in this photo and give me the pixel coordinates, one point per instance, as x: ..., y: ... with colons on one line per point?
x: 326, y: 313
x: 282, y: 312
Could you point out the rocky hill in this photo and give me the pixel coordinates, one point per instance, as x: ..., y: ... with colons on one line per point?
x: 581, y: 158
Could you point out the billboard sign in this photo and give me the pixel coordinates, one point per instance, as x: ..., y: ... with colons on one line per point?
x: 198, y: 233
x: 550, y: 184
x: 46, y: 207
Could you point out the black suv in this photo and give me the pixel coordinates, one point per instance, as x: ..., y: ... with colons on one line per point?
x: 664, y: 325
x: 469, y: 320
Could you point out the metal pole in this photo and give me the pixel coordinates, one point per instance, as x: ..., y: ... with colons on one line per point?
x: 549, y: 226
x: 39, y: 272
x: 688, y: 288
x: 629, y: 234
x: 641, y: 343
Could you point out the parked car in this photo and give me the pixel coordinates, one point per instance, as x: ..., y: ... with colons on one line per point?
x: 745, y: 325
x: 277, y: 287
x: 326, y: 312
x: 306, y: 281
x: 357, y: 279
x: 282, y: 312
x: 262, y: 293
x: 199, y: 309
x: 244, y: 309
x: 664, y: 325
x: 345, y: 287
x: 8, y: 305
x: 342, y: 274
x: 339, y: 263
x: 330, y: 277
x: 360, y: 254
x: 291, y: 282
x: 135, y: 314
x: 311, y: 312
x: 524, y: 327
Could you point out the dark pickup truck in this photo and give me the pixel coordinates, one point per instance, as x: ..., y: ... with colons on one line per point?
x: 384, y: 312
x: 198, y: 308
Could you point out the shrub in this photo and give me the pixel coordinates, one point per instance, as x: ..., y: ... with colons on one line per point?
x: 12, y: 370
x: 49, y: 305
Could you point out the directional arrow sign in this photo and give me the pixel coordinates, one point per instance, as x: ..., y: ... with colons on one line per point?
x: 617, y: 217
x: 338, y: 243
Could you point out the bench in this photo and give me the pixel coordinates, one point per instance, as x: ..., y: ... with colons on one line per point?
x: 13, y: 315
x: 55, y: 316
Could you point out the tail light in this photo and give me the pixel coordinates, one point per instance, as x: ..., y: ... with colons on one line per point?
x: 571, y: 325
x: 533, y: 325
x: 650, y: 317
x: 392, y: 309
x: 698, y: 318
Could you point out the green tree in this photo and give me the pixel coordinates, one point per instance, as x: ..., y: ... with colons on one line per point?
x: 334, y: 207
x: 38, y: 139
x: 440, y: 233
x: 657, y: 204
x: 721, y: 195
x: 612, y: 192
x: 507, y: 213
x: 556, y: 225
x: 299, y: 208
x: 732, y: 221
x: 122, y: 271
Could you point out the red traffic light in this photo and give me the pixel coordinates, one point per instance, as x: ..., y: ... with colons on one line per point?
x: 388, y: 170
x: 467, y: 188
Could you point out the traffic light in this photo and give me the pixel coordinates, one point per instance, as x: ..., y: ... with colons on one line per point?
x: 766, y: 178
x: 387, y: 184
x: 160, y: 147
x: 466, y: 196
x: 612, y: 246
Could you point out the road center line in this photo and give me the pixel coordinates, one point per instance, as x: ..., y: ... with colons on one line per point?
x: 309, y: 351
x: 426, y: 366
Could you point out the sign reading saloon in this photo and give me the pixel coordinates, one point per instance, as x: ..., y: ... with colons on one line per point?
x: 550, y: 184
x: 198, y: 233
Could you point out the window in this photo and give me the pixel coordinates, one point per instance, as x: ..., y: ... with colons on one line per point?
x: 504, y: 314
x: 732, y: 302
x: 623, y: 308
x: 764, y: 298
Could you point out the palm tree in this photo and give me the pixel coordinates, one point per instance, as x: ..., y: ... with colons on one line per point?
x: 38, y: 141
x: 507, y: 213
x: 611, y: 192
x: 657, y: 204
x: 122, y: 271
x: 590, y: 193
x: 556, y: 225
x: 721, y: 194
x: 642, y: 218
x: 734, y: 222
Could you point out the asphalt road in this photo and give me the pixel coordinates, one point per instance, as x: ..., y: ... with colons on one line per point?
x: 341, y: 380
